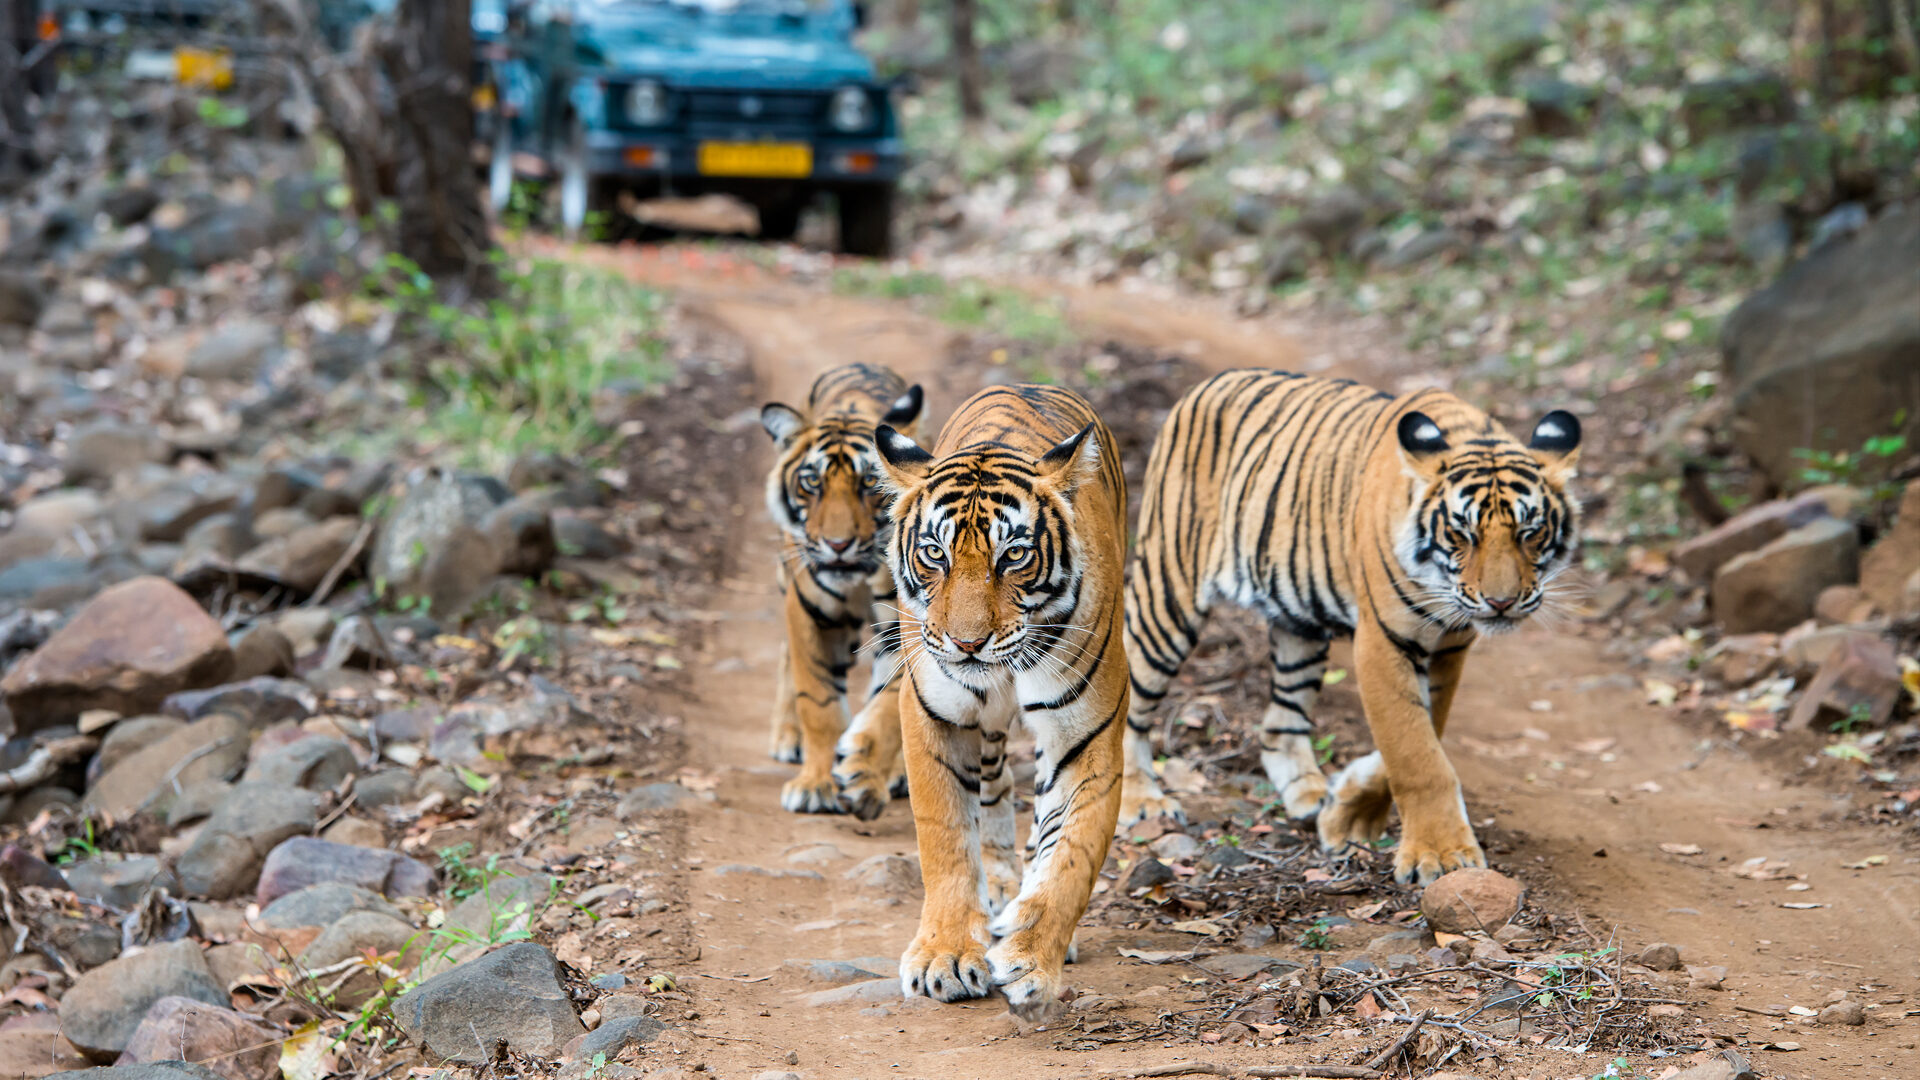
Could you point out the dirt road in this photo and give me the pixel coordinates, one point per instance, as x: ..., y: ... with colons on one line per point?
x: 1575, y: 782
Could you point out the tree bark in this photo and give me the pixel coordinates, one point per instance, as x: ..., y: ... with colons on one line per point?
x: 345, y: 92
x: 16, y: 122
x: 443, y: 227
x: 971, y: 75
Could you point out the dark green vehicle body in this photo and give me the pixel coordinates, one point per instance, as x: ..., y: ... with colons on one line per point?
x: 766, y: 100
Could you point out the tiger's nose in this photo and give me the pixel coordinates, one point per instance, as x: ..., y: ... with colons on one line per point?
x: 969, y: 647
x: 839, y: 546
x: 1501, y: 603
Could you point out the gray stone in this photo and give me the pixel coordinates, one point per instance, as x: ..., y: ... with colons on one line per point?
x: 390, y: 788
x: 891, y: 874
x: 1776, y: 587
x: 1843, y: 1014
x: 1824, y: 356
x: 128, y: 737
x: 323, y: 905
x: 146, y: 780
x: 317, y: 764
x: 578, y: 538
x: 22, y: 299
x: 303, y: 557
x: 103, y: 449
x: 105, y: 1006
x: 197, y: 801
x: 261, y: 651
x: 1333, y: 218
x: 118, y: 882
x: 151, y: 1070
x: 432, y: 545
x: 521, y: 532
x: 258, y: 702
x: 613, y: 1036
x: 862, y: 993
x: 226, y: 855
x: 233, y: 1044
x: 511, y: 997
x: 833, y: 972
x: 1660, y: 956
x: 353, y: 934
x: 356, y: 643
x: 234, y: 351
x: 304, y: 861
x: 1749, y: 530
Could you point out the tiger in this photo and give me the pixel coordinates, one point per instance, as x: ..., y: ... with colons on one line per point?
x: 824, y: 495
x: 1009, y: 550
x: 1411, y: 524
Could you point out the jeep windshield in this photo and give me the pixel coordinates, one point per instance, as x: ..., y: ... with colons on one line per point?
x: 731, y: 16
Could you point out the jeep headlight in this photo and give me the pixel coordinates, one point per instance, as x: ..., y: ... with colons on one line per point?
x: 852, y: 109
x: 646, y: 103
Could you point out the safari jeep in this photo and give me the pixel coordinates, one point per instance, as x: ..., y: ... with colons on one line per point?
x: 764, y: 100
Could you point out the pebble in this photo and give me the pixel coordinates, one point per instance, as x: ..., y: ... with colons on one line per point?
x: 1705, y: 976
x: 1844, y: 1013
x: 1469, y: 900
x: 1660, y: 956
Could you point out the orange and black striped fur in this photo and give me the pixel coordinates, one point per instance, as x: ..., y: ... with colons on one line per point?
x: 1412, y: 524
x: 824, y: 493
x: 1009, y: 551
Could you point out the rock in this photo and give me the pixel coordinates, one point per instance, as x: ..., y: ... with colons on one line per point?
x: 61, y: 802
x: 578, y: 538
x: 1892, y: 561
x: 1470, y: 900
x: 648, y: 798
x: 234, y: 351
x: 442, y: 781
x: 1749, y: 530
x: 1763, y: 233
x: 51, y: 582
x: 834, y: 972
x: 31, y: 1046
x: 1399, y: 943
x: 152, y: 1070
x: 1176, y: 847
x: 22, y: 299
x: 887, y: 989
x: 197, y: 801
x: 316, y: 764
x: 356, y: 831
x: 1823, y: 357
x: 341, y: 355
x: 105, y: 1006
x: 356, y: 643
x: 230, y: 1043
x: 128, y: 737
x: 1333, y: 218
x: 259, y: 702
x: 147, y: 780
x: 1740, y: 659
x: 511, y: 997
x: 127, y: 650
x: 1744, y: 99
x: 1285, y: 259
x: 303, y: 557
x: 99, y: 451
x: 390, y: 788
x: 18, y: 867
x: 1843, y: 604
x: 1858, y: 683
x: 1775, y: 587
x: 165, y: 515
x: 1556, y: 108
x: 322, y: 905
x: 1705, y: 976
x: 1843, y: 1014
x: 1659, y: 956
x: 216, y: 539
x: 226, y: 855
x: 614, y: 1036
x: 304, y: 861
x: 431, y: 544
x: 261, y: 651
x: 1804, y: 648
x: 59, y: 513
x: 890, y: 874
x: 118, y: 881
x: 353, y: 934
x: 1421, y: 247
x: 502, y: 907
x: 522, y: 536
x: 129, y: 205
x: 1145, y: 874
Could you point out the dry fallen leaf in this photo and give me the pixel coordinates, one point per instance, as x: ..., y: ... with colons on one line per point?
x: 1871, y: 860
x: 1159, y: 956
x: 1681, y: 849
x: 1661, y: 692
x: 1366, y: 1006
x: 1199, y: 926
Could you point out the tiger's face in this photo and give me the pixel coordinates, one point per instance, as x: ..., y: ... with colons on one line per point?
x: 825, y: 491
x: 1491, y: 526
x: 985, y: 554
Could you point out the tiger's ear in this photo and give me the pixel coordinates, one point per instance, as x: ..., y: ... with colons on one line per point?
x: 1421, y: 441
x: 782, y: 422
x: 1073, y: 461
x: 905, y: 409
x: 906, y: 464
x: 1556, y: 442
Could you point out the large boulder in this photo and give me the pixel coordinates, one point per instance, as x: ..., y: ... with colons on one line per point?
x: 233, y: 1044
x: 303, y: 557
x: 434, y: 542
x: 226, y: 854
x: 1895, y: 557
x: 511, y: 997
x: 129, y: 648
x: 304, y: 861
x: 105, y: 1006
x: 1830, y: 353
x: 1749, y: 530
x: 1776, y: 587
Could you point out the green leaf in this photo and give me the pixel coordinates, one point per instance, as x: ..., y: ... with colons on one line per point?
x: 479, y: 784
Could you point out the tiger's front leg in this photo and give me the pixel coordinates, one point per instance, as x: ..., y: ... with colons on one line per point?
x: 820, y: 648
x: 1077, y: 804
x: 1435, y: 835
x: 867, y: 762
x: 948, y: 958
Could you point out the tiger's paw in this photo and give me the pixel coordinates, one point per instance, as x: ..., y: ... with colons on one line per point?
x: 1035, y: 990
x: 860, y: 792
x: 1424, y: 854
x: 786, y: 743
x: 1144, y: 799
x: 1354, y: 813
x: 1303, y: 797
x: 1003, y: 883
x: 945, y: 971
x: 811, y: 793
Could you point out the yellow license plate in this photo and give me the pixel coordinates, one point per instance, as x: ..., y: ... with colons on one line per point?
x: 203, y: 67
x: 483, y: 98
x: 756, y: 159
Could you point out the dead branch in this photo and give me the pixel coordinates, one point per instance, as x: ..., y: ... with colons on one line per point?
x: 1256, y: 1072
x: 346, y: 559
x: 45, y: 761
x: 1381, y: 1059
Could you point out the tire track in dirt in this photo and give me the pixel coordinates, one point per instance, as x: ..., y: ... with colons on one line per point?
x: 1581, y: 822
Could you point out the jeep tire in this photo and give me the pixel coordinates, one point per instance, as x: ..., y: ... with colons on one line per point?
x: 866, y: 221
x: 781, y: 220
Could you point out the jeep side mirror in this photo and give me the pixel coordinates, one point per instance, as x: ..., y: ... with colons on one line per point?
x: 859, y: 16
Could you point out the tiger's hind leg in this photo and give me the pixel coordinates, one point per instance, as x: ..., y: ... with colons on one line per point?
x: 1157, y: 643
x: 947, y: 960
x: 821, y: 640
x: 1295, y: 669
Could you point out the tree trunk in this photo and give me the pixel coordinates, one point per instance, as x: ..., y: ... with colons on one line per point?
x: 16, y: 122
x: 343, y: 89
x: 966, y: 60
x: 443, y: 227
